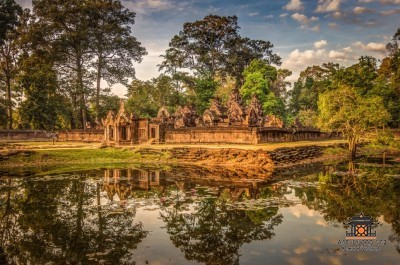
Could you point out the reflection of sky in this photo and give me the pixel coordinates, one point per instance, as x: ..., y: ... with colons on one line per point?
x: 305, y: 237
x: 157, y: 247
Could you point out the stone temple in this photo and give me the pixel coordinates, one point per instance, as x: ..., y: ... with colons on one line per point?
x: 232, y: 123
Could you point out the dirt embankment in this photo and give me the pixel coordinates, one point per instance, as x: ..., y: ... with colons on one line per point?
x: 241, y: 158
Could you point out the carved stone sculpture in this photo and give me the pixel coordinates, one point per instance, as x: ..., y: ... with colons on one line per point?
x: 235, y: 109
x: 163, y: 114
x: 273, y: 121
x: 254, y: 112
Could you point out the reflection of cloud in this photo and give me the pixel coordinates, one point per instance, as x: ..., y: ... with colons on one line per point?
x: 301, y: 250
x: 300, y: 210
x: 321, y: 222
x: 330, y: 260
x: 296, y: 261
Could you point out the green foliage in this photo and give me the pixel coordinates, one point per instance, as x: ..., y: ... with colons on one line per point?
x: 42, y: 105
x: 313, y: 81
x: 145, y: 98
x: 9, y: 17
x: 205, y: 91
x: 308, y: 117
x: 213, y: 46
x: 258, y: 80
x: 346, y: 111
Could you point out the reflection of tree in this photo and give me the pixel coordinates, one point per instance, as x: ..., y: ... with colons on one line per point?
x: 61, y: 223
x: 213, y: 235
x: 371, y: 191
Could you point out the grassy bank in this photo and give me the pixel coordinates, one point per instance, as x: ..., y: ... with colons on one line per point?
x: 60, y: 157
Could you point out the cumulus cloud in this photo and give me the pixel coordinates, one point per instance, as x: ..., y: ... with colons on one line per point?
x: 319, y: 44
x: 283, y: 15
x: 372, y: 46
x: 326, y: 6
x: 303, y: 19
x: 337, y: 55
x: 298, y: 60
x: 308, y: 57
x: 365, y: 1
x: 361, y: 10
x: 294, y: 5
x: 347, y: 49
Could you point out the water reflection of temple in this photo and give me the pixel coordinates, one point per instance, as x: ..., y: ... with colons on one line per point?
x: 122, y: 182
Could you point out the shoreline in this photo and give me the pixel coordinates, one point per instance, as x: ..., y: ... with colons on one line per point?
x: 45, y: 157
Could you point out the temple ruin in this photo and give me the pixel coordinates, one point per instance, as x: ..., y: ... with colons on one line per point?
x: 231, y: 123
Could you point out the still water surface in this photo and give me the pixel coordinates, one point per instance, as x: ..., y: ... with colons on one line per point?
x: 192, y: 216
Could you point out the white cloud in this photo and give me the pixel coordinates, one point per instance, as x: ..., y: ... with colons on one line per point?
x: 325, y: 6
x: 361, y: 10
x: 333, y: 25
x: 308, y: 57
x: 300, y: 18
x: 337, y: 15
x: 372, y: 46
x: 365, y: 1
x: 390, y: 1
x: 145, y: 6
x: 254, y: 14
x: 347, y: 49
x: 337, y: 55
x: 316, y: 28
x: 303, y: 19
x: 269, y: 16
x: 294, y: 5
x: 390, y: 12
x: 283, y: 15
x: 320, y: 44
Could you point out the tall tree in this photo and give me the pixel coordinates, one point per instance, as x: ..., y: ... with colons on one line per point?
x: 10, y: 14
x: 112, y: 44
x: 67, y: 28
x: 212, y: 46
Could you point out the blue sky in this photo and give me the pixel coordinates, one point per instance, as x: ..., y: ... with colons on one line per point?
x: 303, y: 32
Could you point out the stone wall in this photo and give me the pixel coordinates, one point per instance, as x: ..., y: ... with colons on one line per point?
x: 25, y: 135
x: 88, y: 135
x: 211, y: 135
x: 240, y: 135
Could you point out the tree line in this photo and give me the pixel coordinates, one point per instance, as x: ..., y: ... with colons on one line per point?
x: 54, y: 57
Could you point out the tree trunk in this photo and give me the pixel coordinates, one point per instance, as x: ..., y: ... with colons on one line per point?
x: 81, y: 91
x: 99, y: 69
x: 352, y: 147
x: 9, y: 103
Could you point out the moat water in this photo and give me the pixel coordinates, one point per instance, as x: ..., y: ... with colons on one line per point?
x: 199, y: 216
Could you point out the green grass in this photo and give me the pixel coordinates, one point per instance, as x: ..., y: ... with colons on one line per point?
x: 80, y: 158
